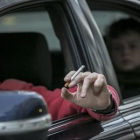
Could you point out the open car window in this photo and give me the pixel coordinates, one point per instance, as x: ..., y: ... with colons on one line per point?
x: 120, y: 32
x: 105, y: 18
x: 32, y: 47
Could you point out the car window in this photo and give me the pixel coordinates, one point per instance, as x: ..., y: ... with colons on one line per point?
x: 105, y: 18
x: 31, y: 21
x: 121, y: 35
x: 32, y: 43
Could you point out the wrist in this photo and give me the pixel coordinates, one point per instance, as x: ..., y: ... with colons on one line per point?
x: 109, y: 110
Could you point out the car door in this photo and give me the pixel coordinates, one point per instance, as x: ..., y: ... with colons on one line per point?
x: 104, y: 13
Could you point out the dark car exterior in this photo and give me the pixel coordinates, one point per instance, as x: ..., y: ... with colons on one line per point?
x: 71, y: 38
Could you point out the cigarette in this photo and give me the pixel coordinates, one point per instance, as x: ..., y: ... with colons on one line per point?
x: 75, y: 75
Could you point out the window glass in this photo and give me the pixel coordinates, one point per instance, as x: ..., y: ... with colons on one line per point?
x: 121, y: 34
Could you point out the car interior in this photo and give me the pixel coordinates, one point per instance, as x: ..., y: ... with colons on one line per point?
x: 30, y: 54
x: 23, y: 55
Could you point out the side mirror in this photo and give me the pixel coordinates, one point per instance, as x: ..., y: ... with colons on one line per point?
x: 23, y: 116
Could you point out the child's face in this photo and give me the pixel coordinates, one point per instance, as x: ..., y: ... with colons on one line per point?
x: 125, y: 51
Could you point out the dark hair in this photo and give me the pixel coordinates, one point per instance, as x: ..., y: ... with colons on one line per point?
x: 121, y: 27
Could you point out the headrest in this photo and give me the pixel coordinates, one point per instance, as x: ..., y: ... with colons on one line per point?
x: 25, y: 56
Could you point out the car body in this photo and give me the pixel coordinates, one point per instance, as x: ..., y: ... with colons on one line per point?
x: 71, y: 38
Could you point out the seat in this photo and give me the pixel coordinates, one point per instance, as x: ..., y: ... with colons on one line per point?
x: 25, y: 56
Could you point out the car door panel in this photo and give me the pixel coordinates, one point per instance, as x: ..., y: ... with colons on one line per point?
x: 129, y: 109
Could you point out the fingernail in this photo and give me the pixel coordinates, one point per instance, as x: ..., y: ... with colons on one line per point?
x: 82, y: 95
x: 66, y: 79
x: 71, y: 83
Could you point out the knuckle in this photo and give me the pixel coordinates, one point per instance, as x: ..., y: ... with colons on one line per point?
x: 87, y: 72
x: 102, y: 76
x: 88, y: 78
x: 101, y: 81
x: 94, y: 74
x: 81, y: 74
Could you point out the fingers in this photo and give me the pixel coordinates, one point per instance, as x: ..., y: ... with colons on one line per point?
x: 99, y: 83
x: 92, y: 81
x: 67, y: 78
x: 87, y: 82
x: 95, y: 81
x: 79, y: 79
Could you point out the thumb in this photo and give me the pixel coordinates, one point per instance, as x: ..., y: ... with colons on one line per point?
x: 67, y: 95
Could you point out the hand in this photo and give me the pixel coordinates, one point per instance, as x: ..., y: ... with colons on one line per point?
x: 92, y: 91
